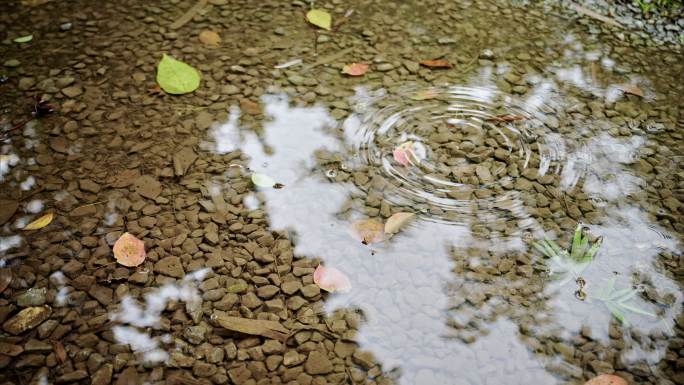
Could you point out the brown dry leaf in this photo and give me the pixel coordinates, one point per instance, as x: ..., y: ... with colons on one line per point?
x: 507, y: 118
x: 437, y: 63
x: 7, y: 209
x: 40, y: 222
x: 60, y: 352
x: 125, y: 178
x: 606, y: 379
x: 129, y: 250
x: 155, y: 90
x: 397, y: 221
x: 250, y: 107
x: 210, y: 38
x: 268, y: 329
x: 5, y: 278
x: 367, y: 231
x: 631, y: 89
x: 355, y: 69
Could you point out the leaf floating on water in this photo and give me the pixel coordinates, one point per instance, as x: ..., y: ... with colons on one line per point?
x: 606, y: 379
x: 210, y: 38
x: 631, y: 89
x: 397, y: 221
x: 40, y: 222
x: 437, y: 63
x: 176, y: 77
x: 23, y: 39
x: 355, y: 69
x: 262, y: 180
x: 331, y: 279
x: 405, y: 154
x: 319, y: 18
x: 367, y: 231
x: 129, y: 250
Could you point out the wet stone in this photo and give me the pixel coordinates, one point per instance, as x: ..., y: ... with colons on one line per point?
x: 27, y: 319
x: 170, y: 266
x: 317, y: 363
x: 72, y: 91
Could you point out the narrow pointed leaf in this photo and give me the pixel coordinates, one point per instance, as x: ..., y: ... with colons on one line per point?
x: 40, y: 222
x: 576, y: 242
x: 618, y: 314
x: 594, y: 248
x: 23, y: 39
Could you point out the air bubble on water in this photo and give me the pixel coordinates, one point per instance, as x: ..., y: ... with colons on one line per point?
x: 331, y: 173
x: 344, y: 167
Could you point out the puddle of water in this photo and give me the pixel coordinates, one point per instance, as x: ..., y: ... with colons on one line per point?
x: 520, y: 142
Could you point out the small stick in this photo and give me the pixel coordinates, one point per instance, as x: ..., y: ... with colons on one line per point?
x: 188, y: 15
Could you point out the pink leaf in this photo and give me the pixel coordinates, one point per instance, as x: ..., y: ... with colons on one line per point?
x: 404, y: 153
x: 129, y: 250
x: 355, y: 69
x: 331, y: 279
x: 606, y: 379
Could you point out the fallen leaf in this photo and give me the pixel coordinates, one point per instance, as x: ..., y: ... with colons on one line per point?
x: 5, y: 278
x: 23, y: 39
x: 402, y: 152
x: 331, y: 279
x: 40, y: 222
x: 319, y: 18
x: 424, y: 95
x: 125, y: 178
x: 176, y: 77
x: 397, y: 221
x: 262, y: 180
x: 438, y: 63
x: 60, y: 352
x: 250, y: 107
x: 367, y: 231
x: 268, y: 329
x: 355, y: 69
x: 129, y: 250
x: 606, y: 379
x: 7, y: 209
x: 506, y: 118
x: 210, y: 38
x: 631, y: 89
x: 588, y: 12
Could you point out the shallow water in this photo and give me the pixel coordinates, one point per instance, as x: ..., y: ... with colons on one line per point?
x: 528, y: 135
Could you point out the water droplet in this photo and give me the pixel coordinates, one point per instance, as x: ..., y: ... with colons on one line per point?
x: 344, y: 167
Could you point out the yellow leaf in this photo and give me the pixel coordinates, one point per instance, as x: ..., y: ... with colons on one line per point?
x: 397, y: 221
x: 319, y: 18
x: 367, y: 231
x: 40, y: 222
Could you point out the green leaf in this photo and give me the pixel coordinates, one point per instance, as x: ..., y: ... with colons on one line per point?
x: 176, y: 77
x: 618, y: 314
x: 23, y: 39
x: 262, y: 180
x: 635, y: 309
x: 576, y: 242
x: 319, y: 18
x: 594, y: 248
x: 542, y: 249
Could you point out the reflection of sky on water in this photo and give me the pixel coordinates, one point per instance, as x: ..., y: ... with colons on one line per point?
x: 405, y: 288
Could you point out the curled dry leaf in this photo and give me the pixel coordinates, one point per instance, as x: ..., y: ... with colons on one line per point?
x: 210, y: 38
x: 397, y: 221
x: 607, y: 379
x: 403, y: 153
x: 40, y: 222
x: 331, y: 279
x: 5, y: 278
x: 319, y: 18
x: 355, y: 69
x: 129, y: 250
x: 631, y: 89
x: 367, y: 231
x: 60, y: 352
x: 437, y: 63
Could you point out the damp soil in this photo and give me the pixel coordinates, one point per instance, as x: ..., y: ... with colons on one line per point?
x: 544, y: 120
